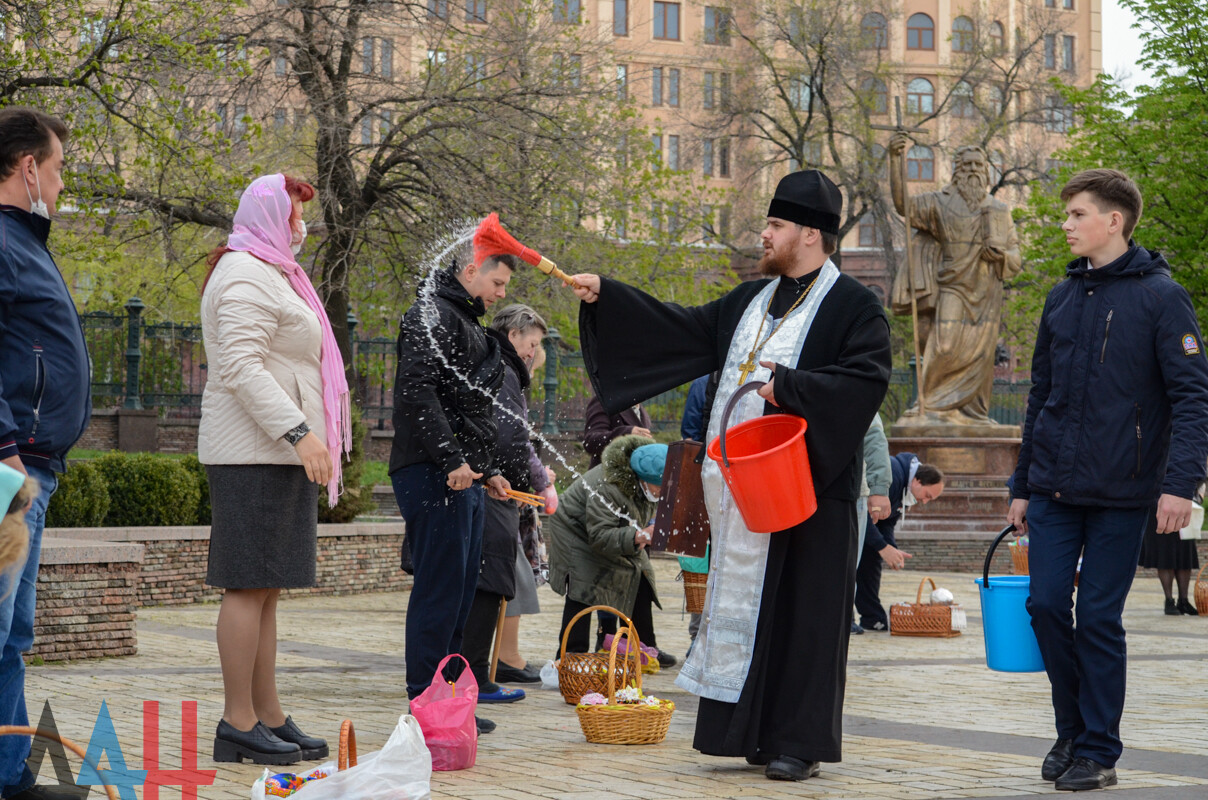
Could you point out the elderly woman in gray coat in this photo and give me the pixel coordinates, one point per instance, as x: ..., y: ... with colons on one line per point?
x: 597, y: 556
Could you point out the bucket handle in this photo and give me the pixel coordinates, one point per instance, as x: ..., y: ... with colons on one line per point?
x: 725, y: 417
x: 990, y: 555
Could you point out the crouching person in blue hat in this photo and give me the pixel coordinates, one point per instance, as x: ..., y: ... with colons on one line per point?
x: 597, y: 555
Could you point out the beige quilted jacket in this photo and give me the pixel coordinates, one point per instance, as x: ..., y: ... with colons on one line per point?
x: 262, y: 345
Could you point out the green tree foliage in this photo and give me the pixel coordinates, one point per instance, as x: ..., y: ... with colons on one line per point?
x: 1156, y: 136
x: 82, y: 499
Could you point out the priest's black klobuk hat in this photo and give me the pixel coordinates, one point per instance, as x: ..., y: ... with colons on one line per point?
x: 808, y: 198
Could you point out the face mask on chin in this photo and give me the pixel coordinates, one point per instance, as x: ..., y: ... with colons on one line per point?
x: 908, y: 499
x: 296, y: 247
x: 651, y: 496
x: 37, y: 208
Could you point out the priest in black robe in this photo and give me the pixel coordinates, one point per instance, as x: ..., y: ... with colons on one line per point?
x: 770, y: 660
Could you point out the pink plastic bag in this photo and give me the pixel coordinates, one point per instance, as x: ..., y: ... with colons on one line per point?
x: 445, y: 712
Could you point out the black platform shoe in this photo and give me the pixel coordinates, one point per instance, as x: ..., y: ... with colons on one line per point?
x: 312, y: 746
x: 259, y: 745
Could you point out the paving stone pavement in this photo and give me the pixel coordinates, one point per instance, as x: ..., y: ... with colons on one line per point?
x: 924, y: 717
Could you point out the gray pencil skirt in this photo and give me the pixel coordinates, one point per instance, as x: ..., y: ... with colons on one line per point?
x: 265, y: 526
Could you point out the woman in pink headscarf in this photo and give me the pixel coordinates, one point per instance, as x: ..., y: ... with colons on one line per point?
x: 274, y: 423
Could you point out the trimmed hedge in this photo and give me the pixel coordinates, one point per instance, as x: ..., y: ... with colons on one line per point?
x: 198, y: 470
x: 148, y: 490
x: 82, y: 499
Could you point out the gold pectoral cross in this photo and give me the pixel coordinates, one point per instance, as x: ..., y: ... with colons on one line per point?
x: 747, y: 367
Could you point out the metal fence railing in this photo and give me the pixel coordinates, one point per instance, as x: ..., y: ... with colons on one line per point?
x: 162, y: 365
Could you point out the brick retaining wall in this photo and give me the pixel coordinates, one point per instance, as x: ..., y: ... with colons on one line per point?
x: 87, y: 595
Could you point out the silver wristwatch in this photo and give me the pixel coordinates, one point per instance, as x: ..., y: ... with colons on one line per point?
x: 294, y: 435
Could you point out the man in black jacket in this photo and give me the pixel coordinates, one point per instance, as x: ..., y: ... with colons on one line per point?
x: 45, y: 401
x: 449, y: 371
x: 1117, y: 424
x: 910, y: 483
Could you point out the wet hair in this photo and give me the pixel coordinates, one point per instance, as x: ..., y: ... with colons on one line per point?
x: 27, y: 131
x: 502, y: 260
x: 1112, y: 191
x: 518, y: 317
x: 928, y: 475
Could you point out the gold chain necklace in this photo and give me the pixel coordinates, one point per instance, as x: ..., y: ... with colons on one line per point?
x: 748, y: 366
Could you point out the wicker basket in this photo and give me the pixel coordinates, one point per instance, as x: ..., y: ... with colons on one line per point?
x: 694, y: 590
x: 582, y: 673
x: 1201, y: 592
x: 624, y: 723
x: 921, y: 619
x: 1019, y: 557
x: 42, y: 733
x: 348, y: 746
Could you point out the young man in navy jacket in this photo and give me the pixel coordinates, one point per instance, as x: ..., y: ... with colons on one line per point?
x: 44, y: 392
x: 1116, y: 430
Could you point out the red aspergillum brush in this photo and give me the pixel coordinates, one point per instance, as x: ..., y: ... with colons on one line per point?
x: 492, y: 240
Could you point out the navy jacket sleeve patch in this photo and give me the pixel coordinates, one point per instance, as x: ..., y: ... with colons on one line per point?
x: 1191, y: 345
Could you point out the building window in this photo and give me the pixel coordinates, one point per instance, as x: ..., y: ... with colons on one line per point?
x: 715, y: 90
x: 876, y: 95
x: 878, y: 164
x: 386, y: 50
x: 1050, y: 3
x: 656, y: 146
x: 998, y: 99
x: 622, y: 83
x: 656, y: 86
x: 998, y: 38
x: 920, y: 96
x: 279, y: 65
x: 870, y: 232
x: 438, y: 9
x: 673, y: 87
x: 799, y: 92
x: 240, y: 121
x: 623, y: 150
x: 708, y: 84
x: 620, y: 17
x: 222, y: 116
x: 874, y: 31
x: 667, y: 21
x: 706, y: 224
x: 723, y: 158
x: 367, y: 56
x: 920, y: 33
x: 673, y: 159
x: 1058, y: 117
x: 920, y: 164
x: 366, y: 130
x: 386, y: 125
x: 1050, y: 51
x: 1067, y: 53
x: 571, y: 70
x: 962, y: 100
x: 279, y: 118
x: 962, y: 35
x: 476, y: 11
x: 656, y: 216
x: 567, y: 11
x: 717, y: 25
x: 1068, y: 5
x: 706, y: 158
x: 476, y: 67
x: 437, y: 59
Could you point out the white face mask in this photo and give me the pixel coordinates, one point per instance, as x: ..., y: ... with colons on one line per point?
x: 296, y: 247
x: 38, y: 208
x: 908, y: 499
x: 651, y: 496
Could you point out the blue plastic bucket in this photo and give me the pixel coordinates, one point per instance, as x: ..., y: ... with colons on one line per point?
x: 1010, y: 641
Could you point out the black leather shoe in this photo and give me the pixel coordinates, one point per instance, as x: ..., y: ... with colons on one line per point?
x: 1186, y: 608
x: 483, y: 725
x: 312, y: 746
x: 1059, y: 759
x: 509, y: 674
x: 51, y: 793
x: 260, y: 745
x: 667, y: 660
x: 1171, y: 609
x: 787, y: 768
x: 1086, y: 775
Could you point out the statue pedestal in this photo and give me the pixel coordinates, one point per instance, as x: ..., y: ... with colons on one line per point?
x: 975, y: 470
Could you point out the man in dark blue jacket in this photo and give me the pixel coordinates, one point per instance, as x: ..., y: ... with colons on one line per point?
x: 911, y: 483
x: 44, y: 391
x: 1117, y: 425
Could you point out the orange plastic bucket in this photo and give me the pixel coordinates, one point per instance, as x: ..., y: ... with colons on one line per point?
x: 766, y: 467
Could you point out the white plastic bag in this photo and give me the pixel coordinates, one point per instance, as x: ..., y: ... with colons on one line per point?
x: 549, y: 676
x: 402, y: 770
x: 1193, y: 529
